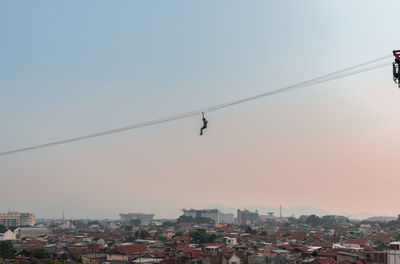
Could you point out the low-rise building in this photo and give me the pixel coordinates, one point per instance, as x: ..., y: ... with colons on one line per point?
x: 94, y: 258
x: 31, y: 232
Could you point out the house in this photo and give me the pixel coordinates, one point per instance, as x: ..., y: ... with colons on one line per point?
x: 325, y: 261
x: 147, y: 260
x: 254, y: 259
x: 371, y: 256
x: 355, y: 243
x: 127, y: 251
x: 231, y: 259
x: 230, y: 241
x: 7, y: 235
x: 342, y: 257
x: 94, y: 258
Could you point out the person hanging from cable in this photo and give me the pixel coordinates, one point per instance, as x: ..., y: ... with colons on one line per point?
x: 204, y: 124
x: 396, y: 67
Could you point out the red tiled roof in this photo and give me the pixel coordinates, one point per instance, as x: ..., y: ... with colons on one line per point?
x: 182, y: 238
x: 130, y: 249
x: 327, y: 252
x: 302, y: 249
x: 287, y: 246
x: 298, y: 237
x: 356, y: 241
x: 192, y: 252
x: 157, y: 255
x: 212, y: 244
x: 326, y: 261
x: 317, y: 235
x: 385, y: 239
x: 30, y: 249
x: 35, y: 242
x: 227, y: 249
x: 369, y: 249
x: 322, y: 244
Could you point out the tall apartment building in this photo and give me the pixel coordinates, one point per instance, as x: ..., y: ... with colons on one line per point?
x: 144, y: 218
x: 213, y: 214
x: 226, y: 218
x: 245, y: 217
x: 14, y: 219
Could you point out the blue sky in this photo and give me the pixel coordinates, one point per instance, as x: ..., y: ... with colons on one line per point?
x: 69, y: 68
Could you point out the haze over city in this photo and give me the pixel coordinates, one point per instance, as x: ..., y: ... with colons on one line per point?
x: 71, y: 68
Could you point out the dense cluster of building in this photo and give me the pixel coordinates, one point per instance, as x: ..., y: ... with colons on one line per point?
x: 245, y: 238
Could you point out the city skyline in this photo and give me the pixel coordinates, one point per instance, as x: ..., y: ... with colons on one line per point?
x: 295, y: 211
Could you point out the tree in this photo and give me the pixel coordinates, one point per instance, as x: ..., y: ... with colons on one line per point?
x: 303, y: 218
x: 202, y: 236
x: 177, y: 234
x: 250, y: 230
x: 40, y: 253
x: 263, y: 233
x: 52, y: 261
x: 197, y: 220
x: 64, y: 256
x: 141, y: 234
x: 22, y: 261
x: 168, y: 224
x: 6, y: 249
x: 293, y: 220
x: 76, y: 258
x: 329, y: 221
x: 128, y: 228
x: 130, y: 239
x: 313, y: 220
x: 94, y: 222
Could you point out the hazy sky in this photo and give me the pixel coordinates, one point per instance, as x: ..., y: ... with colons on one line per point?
x: 69, y: 68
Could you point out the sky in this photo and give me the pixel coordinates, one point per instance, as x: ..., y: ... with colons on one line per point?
x: 69, y: 68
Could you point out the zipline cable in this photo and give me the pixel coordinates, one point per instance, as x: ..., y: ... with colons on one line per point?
x: 297, y: 86
x: 357, y: 69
